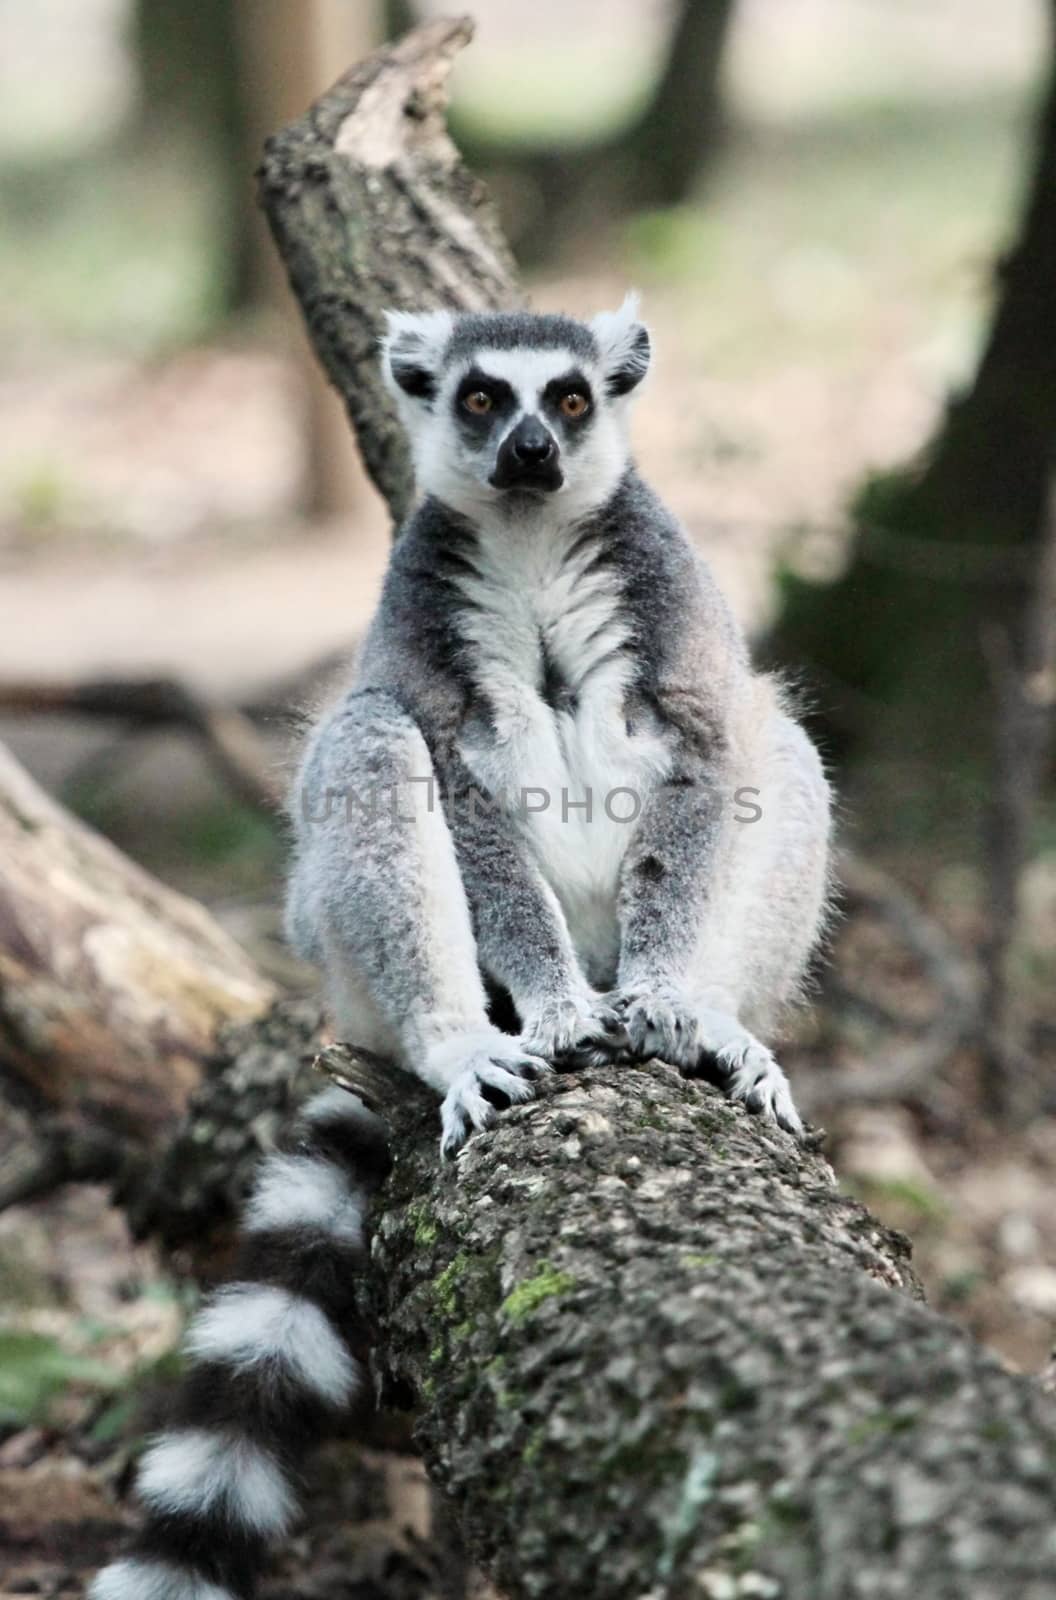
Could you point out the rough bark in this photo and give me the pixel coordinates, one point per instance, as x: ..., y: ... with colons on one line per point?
x: 189, y: 1195
x: 653, y: 1350
x: 112, y: 987
x: 658, y: 1353
x: 371, y: 208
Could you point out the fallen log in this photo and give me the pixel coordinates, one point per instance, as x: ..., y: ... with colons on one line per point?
x: 659, y: 1354
x: 227, y: 734
x: 112, y: 987
x: 653, y: 1350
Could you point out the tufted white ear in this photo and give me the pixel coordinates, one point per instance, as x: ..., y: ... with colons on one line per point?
x: 624, y: 345
x: 411, y: 350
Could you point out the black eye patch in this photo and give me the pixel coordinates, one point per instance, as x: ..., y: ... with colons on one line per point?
x: 570, y: 382
x: 498, y: 391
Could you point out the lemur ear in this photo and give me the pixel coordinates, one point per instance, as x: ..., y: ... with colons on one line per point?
x: 411, y: 349
x: 624, y: 345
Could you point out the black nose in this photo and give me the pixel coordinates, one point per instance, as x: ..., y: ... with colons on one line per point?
x: 531, y: 443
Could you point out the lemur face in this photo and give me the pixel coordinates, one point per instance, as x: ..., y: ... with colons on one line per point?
x: 510, y: 410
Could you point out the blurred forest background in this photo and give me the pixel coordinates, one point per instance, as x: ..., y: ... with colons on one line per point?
x: 842, y: 217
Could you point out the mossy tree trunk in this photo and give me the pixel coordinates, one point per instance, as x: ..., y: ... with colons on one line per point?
x: 659, y: 1354
x: 951, y: 547
x: 653, y: 1351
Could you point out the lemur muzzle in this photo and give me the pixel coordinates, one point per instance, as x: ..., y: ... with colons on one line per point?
x: 528, y: 458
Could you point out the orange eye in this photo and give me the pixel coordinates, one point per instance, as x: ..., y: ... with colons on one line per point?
x: 479, y: 402
x: 574, y: 404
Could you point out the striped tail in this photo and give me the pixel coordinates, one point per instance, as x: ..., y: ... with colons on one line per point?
x: 272, y: 1368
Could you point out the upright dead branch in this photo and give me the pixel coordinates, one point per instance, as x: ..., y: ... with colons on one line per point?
x: 372, y: 208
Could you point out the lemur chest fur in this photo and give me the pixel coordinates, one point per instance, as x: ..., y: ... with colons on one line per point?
x: 563, y: 747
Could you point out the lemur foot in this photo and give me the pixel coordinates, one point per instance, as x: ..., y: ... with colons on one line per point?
x: 486, y: 1060
x: 748, y: 1072
x: 660, y: 1021
x: 585, y: 1031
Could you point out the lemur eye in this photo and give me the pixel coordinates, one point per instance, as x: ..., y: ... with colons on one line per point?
x: 574, y: 403
x: 479, y: 402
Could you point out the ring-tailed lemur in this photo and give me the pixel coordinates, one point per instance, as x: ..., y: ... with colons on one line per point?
x: 556, y: 771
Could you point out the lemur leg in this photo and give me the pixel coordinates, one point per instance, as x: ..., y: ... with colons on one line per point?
x: 378, y: 886
x: 721, y: 911
x: 763, y: 920
x: 523, y: 939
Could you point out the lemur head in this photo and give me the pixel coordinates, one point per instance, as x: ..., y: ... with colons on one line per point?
x: 516, y: 408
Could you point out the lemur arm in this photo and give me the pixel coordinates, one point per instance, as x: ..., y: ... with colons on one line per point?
x: 522, y: 937
x: 701, y: 691
x: 375, y: 888
x: 376, y: 897
x: 666, y: 877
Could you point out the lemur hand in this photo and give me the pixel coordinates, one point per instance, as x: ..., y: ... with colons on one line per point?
x: 483, y: 1069
x: 582, y: 1030
x: 747, y: 1071
x: 660, y: 1021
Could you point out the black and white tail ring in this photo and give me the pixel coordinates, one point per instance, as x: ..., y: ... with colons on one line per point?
x: 273, y: 1368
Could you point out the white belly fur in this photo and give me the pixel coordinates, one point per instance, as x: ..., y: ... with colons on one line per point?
x: 532, y: 751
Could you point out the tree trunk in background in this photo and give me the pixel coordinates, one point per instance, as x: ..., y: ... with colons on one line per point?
x: 192, y: 87
x: 561, y: 192
x: 223, y: 73
x: 669, y: 148
x: 399, y: 16
x: 952, y: 547
x: 289, y: 54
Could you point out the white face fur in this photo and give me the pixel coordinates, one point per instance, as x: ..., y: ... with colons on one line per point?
x: 516, y: 413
